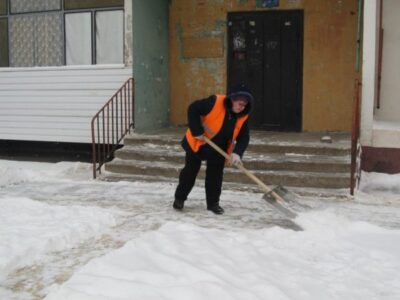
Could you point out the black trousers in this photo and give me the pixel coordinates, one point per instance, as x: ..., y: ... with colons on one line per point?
x: 214, y: 177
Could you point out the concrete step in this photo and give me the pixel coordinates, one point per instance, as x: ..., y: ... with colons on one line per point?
x: 285, y: 178
x: 256, y: 145
x: 295, y: 160
x: 252, y: 160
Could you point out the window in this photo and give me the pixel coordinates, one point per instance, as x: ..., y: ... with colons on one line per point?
x: 109, y: 37
x: 61, y: 32
x: 36, y: 40
x: 78, y: 38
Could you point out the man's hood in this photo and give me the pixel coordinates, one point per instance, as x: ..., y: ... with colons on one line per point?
x: 247, y: 110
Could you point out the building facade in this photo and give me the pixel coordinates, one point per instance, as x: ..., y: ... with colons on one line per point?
x: 380, y: 106
x: 298, y: 57
x: 61, y: 60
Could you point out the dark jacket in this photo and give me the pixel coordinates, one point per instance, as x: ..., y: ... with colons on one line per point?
x: 203, y: 107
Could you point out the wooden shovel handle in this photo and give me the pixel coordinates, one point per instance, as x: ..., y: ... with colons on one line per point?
x: 265, y: 188
x: 216, y: 148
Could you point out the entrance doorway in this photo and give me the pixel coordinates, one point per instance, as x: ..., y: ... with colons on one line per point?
x: 265, y: 51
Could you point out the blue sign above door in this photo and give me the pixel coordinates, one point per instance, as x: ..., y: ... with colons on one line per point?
x: 267, y: 3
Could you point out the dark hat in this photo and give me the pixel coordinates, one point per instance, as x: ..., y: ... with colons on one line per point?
x: 240, y: 90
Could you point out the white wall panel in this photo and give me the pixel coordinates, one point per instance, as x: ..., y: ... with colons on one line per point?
x: 390, y: 89
x: 369, y: 71
x: 386, y: 134
x: 55, y: 103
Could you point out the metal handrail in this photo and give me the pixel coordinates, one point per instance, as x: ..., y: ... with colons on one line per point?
x: 355, y: 135
x: 111, y: 123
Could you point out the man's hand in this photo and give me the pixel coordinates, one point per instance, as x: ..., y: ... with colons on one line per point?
x: 235, y: 160
x: 200, y: 138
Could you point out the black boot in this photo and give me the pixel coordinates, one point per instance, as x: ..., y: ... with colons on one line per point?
x: 216, y: 209
x: 178, y: 204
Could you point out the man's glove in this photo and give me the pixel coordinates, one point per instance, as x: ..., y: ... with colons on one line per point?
x: 235, y: 160
x: 200, y: 138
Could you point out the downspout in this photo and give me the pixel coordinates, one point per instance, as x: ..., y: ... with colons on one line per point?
x: 380, y: 51
x: 355, y: 131
x: 359, y: 27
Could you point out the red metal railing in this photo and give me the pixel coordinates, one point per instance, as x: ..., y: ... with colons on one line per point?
x: 111, y: 123
x: 355, y: 135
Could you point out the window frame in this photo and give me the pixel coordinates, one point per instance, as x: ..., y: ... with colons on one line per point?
x: 64, y: 11
x: 93, y: 29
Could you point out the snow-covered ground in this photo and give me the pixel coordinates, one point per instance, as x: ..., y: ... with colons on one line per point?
x: 65, y: 236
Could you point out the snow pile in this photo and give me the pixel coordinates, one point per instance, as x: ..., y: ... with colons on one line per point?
x: 14, y: 172
x: 189, y: 255
x: 333, y: 258
x: 29, y: 229
x: 380, y: 183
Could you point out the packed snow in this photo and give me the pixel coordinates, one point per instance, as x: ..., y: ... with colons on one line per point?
x: 50, y: 228
x: 184, y: 261
x: 65, y: 236
x: 381, y: 183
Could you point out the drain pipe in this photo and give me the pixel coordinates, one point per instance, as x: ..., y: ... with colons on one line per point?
x: 359, y: 27
x: 355, y: 130
x: 380, y: 50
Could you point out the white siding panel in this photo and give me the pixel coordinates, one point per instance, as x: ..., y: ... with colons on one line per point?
x: 46, y: 112
x: 55, y: 103
x: 53, y: 93
x: 104, y: 70
x: 65, y: 79
x: 38, y: 124
x: 62, y: 86
x: 48, y: 105
x: 54, y: 100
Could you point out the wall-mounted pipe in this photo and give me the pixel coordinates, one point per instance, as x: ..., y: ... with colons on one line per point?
x: 359, y: 32
x: 380, y: 51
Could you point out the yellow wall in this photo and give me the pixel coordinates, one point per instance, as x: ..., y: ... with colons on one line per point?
x: 198, y: 50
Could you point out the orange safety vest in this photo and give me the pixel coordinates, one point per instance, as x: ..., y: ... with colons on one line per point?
x: 212, y: 123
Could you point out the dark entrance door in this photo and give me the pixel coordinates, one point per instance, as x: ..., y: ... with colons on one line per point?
x: 265, y: 51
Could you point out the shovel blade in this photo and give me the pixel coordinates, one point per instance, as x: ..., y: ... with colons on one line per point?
x: 292, y: 199
x: 282, y: 207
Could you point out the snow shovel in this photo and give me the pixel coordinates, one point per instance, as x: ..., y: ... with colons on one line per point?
x: 271, y: 196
